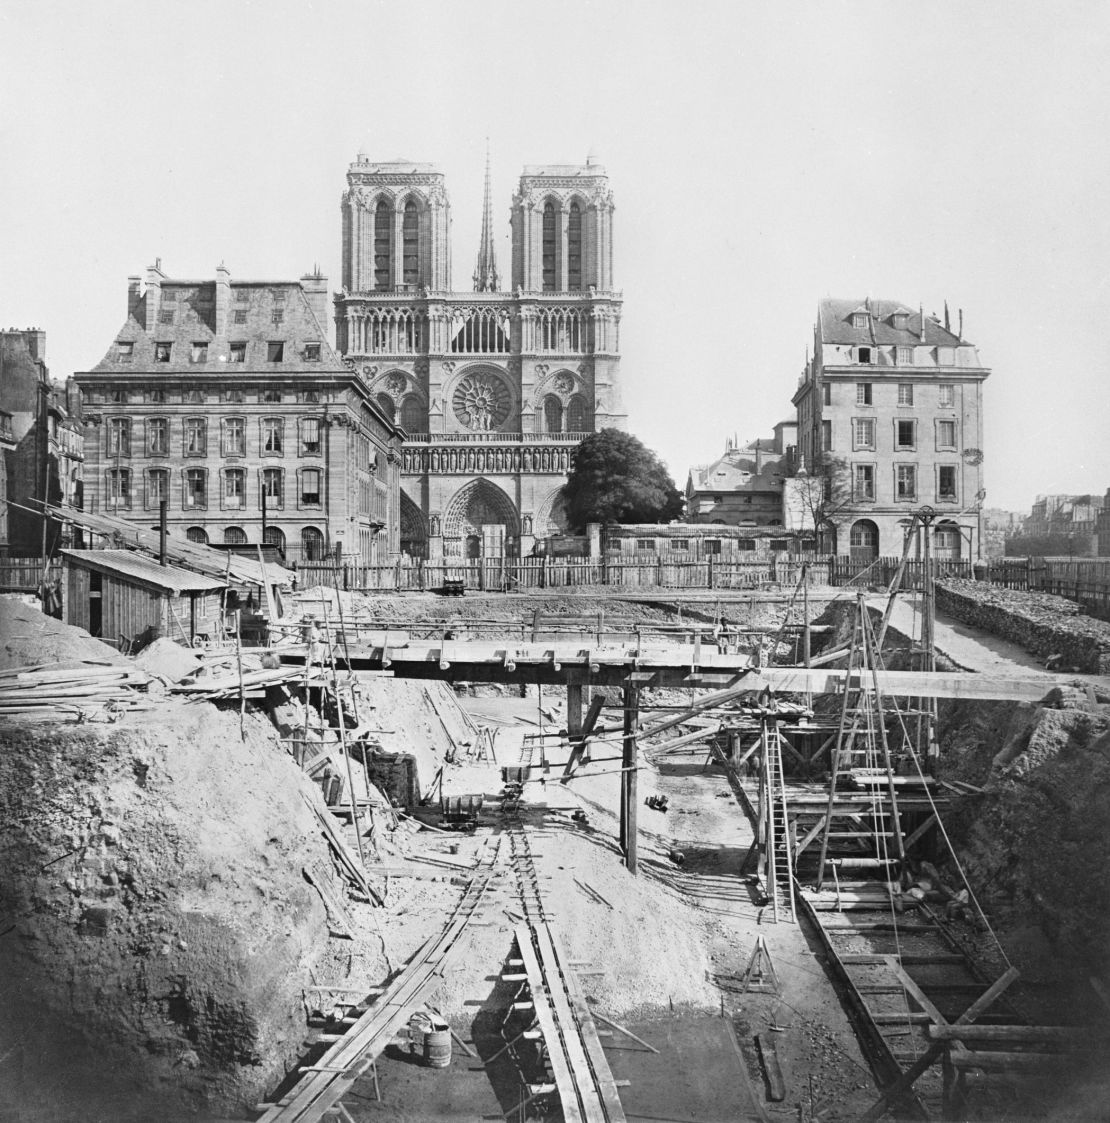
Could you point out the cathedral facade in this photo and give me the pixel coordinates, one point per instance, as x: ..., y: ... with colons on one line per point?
x: 494, y: 388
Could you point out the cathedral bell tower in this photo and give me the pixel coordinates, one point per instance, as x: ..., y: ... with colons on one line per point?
x: 396, y: 227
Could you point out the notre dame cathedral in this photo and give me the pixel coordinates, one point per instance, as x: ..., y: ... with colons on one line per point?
x: 494, y: 387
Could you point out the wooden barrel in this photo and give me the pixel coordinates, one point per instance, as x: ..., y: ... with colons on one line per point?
x: 437, y: 1046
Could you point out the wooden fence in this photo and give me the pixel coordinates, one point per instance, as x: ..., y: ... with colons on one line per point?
x: 667, y: 571
x: 510, y: 574
x: 1086, y: 580
x: 22, y: 575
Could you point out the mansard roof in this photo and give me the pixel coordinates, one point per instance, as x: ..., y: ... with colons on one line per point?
x: 185, y: 313
x: 834, y: 325
x: 737, y: 470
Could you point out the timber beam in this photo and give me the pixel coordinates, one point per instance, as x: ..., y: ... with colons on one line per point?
x: 670, y: 666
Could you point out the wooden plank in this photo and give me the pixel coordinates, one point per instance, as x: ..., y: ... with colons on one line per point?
x: 768, y: 1055
x: 1016, y: 1033
x: 1007, y: 1062
x: 337, y: 916
x: 316, y: 1094
x: 603, y: 1077
x: 545, y: 1015
x: 588, y: 1091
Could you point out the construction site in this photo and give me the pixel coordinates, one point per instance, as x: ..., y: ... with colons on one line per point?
x: 800, y: 853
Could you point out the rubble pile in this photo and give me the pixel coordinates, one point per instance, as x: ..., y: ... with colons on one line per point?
x: 1051, y: 627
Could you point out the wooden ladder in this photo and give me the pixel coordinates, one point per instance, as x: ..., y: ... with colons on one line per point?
x: 779, y: 852
x: 861, y: 745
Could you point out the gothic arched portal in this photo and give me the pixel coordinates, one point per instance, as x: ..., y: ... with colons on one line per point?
x: 475, y: 505
x: 552, y: 515
x: 414, y: 529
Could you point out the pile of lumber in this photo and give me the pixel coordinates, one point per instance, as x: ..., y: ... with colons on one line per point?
x: 83, y: 693
x: 232, y: 685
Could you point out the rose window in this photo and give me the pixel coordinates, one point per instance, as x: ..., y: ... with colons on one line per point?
x: 481, y: 402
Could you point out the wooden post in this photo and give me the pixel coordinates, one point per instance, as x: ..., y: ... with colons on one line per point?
x: 574, y: 710
x: 628, y: 777
x: 806, y: 634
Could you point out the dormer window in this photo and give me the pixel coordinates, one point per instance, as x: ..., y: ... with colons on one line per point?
x: 125, y: 351
x: 901, y: 321
x: 859, y: 320
x: 863, y: 354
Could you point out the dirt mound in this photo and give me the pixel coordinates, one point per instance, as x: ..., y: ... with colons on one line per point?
x: 169, y: 659
x: 30, y: 638
x: 159, y: 925
x: 1035, y: 841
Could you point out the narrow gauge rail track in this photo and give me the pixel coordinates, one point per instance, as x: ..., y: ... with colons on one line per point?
x: 555, y: 1005
x: 375, y: 1020
x: 902, y: 973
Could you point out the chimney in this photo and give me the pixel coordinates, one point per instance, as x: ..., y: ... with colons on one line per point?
x: 154, y: 279
x: 36, y: 343
x: 223, y: 299
x: 134, y: 295
x: 315, y: 289
x: 921, y: 321
x: 960, y: 332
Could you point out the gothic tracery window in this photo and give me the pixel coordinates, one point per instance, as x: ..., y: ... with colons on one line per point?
x: 574, y: 248
x: 552, y: 414
x: 550, y: 280
x: 383, y: 223
x: 481, y: 402
x: 410, y: 244
x: 577, y: 415
x: 412, y: 414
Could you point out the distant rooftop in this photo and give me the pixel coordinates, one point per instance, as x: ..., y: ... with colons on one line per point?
x: 398, y: 166
x: 882, y: 322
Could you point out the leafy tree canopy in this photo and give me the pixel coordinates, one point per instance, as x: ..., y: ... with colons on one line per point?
x: 616, y: 479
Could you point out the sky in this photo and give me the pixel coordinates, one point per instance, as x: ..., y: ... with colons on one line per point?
x: 762, y: 156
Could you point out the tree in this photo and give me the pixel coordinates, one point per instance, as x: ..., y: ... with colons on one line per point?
x: 819, y: 501
x: 615, y: 478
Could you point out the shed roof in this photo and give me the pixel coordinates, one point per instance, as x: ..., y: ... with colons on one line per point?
x: 136, y: 567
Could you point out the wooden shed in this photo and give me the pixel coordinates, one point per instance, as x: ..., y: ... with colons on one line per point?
x: 120, y: 595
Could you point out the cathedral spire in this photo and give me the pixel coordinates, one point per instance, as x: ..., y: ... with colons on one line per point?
x: 485, y: 274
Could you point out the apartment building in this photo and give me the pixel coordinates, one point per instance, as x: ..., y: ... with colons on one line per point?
x: 890, y: 420
x: 225, y: 399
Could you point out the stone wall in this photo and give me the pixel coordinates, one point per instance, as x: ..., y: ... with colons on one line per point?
x: 1043, y: 624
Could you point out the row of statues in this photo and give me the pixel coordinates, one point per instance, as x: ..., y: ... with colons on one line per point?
x: 486, y: 460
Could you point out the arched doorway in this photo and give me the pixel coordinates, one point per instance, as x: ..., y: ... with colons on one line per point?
x: 552, y: 517
x: 864, y: 541
x: 312, y: 544
x: 476, y: 505
x: 414, y: 529
x: 947, y: 541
